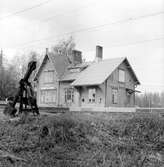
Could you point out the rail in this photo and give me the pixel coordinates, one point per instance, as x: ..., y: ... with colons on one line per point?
x: 150, y: 109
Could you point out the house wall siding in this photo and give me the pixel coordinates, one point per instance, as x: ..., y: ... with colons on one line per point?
x: 113, y: 82
x: 47, y: 86
x: 66, y: 85
x: 100, y: 94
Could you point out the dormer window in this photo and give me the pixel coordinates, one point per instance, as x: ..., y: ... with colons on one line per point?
x: 121, y: 75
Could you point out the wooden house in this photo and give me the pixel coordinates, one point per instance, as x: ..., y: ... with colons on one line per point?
x: 66, y: 81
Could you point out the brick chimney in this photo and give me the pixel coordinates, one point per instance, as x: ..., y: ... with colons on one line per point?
x: 99, y: 53
x: 76, y: 57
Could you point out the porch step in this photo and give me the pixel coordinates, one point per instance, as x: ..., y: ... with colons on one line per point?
x: 104, y: 109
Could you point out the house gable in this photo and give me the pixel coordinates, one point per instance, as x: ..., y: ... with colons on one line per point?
x: 130, y: 77
x: 47, y: 88
x: 97, y: 73
x: 47, y: 67
x: 59, y: 63
x: 117, y: 91
x: 46, y: 64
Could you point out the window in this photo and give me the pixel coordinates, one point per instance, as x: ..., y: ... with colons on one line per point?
x: 48, y: 76
x: 92, y: 95
x: 69, y: 95
x: 114, y: 96
x: 48, y: 96
x: 74, y: 70
x: 121, y: 75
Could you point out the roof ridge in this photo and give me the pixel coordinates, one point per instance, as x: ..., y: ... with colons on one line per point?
x: 114, y: 58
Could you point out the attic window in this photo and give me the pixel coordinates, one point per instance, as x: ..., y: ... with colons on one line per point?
x: 121, y: 76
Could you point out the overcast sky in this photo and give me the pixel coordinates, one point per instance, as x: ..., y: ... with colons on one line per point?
x: 131, y: 28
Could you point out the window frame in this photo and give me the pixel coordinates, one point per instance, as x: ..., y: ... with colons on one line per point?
x: 92, y: 92
x: 120, y: 80
x: 114, y: 96
x: 47, y: 81
x: 69, y: 92
x: 49, y: 93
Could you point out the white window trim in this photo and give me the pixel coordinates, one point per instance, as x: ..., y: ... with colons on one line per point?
x: 47, y: 88
x: 114, y: 96
x: 66, y: 100
x: 43, y: 101
x: 120, y: 79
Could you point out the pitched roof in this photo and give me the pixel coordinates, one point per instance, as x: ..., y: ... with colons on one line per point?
x: 81, y: 65
x: 94, y: 73
x: 71, y: 76
x: 98, y: 72
x: 60, y: 64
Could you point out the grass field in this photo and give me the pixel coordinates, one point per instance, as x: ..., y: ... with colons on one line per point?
x: 83, y: 139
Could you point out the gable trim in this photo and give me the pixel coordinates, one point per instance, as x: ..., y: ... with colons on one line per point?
x: 41, y: 66
x: 137, y: 81
x: 133, y: 73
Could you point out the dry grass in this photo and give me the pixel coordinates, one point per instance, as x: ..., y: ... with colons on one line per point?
x: 81, y: 140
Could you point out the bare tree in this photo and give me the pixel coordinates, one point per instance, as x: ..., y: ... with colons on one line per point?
x: 21, y: 62
x: 8, y: 83
x: 64, y: 47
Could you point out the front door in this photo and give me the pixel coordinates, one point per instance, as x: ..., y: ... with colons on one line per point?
x: 69, y: 96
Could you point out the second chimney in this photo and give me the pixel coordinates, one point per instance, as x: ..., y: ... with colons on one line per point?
x: 99, y: 53
x: 76, y: 57
x: 47, y: 51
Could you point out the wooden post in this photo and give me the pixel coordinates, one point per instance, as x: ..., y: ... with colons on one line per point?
x: 58, y: 94
x: 105, y: 84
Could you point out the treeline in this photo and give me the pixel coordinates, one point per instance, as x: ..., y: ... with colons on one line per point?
x: 150, y: 100
x: 11, y: 72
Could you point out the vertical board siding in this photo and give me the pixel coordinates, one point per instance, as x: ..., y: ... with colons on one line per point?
x: 46, y: 85
x: 113, y: 82
x: 99, y: 100
x: 103, y: 96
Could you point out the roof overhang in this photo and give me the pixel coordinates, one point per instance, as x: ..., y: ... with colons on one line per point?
x: 78, y: 85
x: 130, y: 67
x: 132, y: 91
